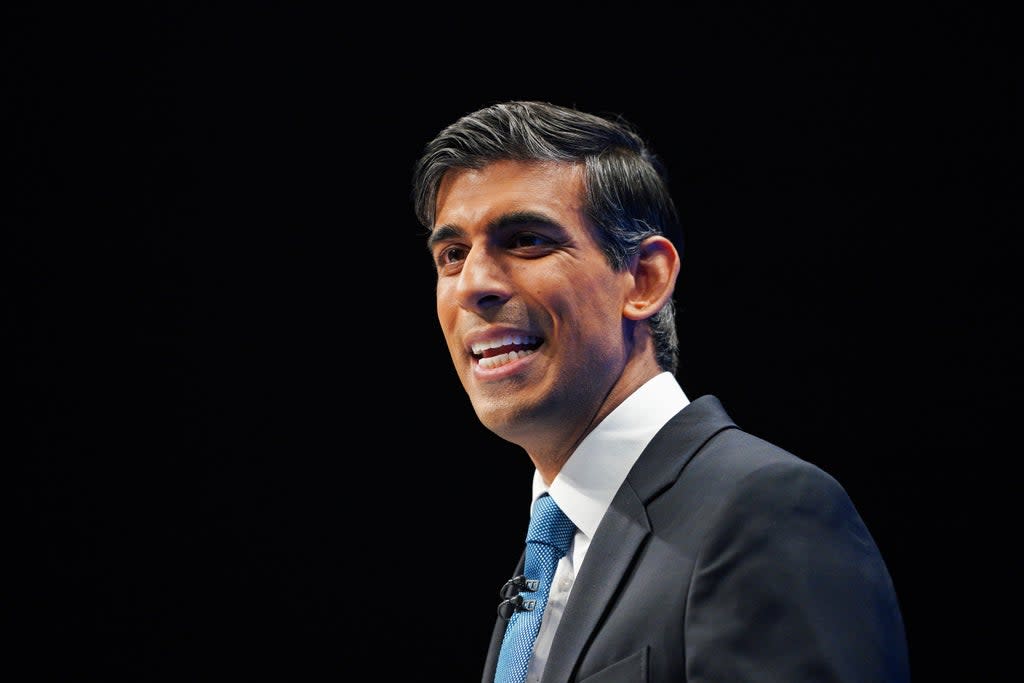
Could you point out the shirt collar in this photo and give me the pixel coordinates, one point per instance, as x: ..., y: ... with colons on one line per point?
x: 588, y: 481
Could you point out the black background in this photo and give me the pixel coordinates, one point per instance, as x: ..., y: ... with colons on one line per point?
x: 236, y: 428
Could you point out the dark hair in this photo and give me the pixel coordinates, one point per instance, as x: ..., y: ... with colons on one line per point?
x: 625, y: 188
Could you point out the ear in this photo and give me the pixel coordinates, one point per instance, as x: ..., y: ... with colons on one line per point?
x: 655, y: 270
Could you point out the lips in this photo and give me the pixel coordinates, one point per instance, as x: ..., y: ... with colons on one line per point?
x: 497, y: 352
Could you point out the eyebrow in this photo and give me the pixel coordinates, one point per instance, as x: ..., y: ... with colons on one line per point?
x: 513, y: 219
x: 442, y: 233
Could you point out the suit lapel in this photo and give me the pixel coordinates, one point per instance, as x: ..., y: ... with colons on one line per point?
x: 626, y: 527
x: 498, y: 634
x: 616, y: 542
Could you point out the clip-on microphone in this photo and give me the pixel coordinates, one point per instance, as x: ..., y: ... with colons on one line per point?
x: 513, y: 601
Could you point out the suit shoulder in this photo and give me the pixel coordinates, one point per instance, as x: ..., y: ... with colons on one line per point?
x: 745, y: 452
x: 754, y: 472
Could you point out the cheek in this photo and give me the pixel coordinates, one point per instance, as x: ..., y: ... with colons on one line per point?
x: 443, y: 303
x: 588, y: 314
x: 598, y: 300
x: 597, y: 318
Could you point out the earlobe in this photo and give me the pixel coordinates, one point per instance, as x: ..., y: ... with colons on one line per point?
x: 655, y: 270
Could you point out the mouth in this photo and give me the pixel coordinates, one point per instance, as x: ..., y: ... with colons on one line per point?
x: 495, y: 353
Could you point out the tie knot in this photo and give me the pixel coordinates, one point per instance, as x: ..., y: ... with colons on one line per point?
x: 549, y: 525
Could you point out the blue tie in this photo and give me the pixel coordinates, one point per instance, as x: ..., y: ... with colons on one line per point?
x: 547, y: 541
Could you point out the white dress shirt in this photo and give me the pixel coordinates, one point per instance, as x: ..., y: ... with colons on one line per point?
x: 585, y: 486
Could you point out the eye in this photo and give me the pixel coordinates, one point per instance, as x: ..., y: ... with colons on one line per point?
x: 450, y: 254
x: 522, y: 240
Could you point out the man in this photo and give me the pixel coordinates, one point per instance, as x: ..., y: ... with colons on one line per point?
x: 699, y: 552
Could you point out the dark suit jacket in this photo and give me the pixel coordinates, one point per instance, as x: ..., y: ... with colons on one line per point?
x: 726, y: 559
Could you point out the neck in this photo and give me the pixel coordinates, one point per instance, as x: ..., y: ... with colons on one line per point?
x: 549, y: 455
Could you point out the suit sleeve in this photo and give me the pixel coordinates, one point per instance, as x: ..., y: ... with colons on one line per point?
x: 789, y: 586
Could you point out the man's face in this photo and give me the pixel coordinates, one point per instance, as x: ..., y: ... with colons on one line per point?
x: 529, y: 306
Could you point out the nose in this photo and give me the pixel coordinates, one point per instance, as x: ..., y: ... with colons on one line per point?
x: 483, y: 282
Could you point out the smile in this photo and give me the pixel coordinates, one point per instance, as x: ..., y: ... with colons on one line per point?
x: 494, y: 354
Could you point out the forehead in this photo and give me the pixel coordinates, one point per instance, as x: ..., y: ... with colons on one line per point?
x: 468, y: 195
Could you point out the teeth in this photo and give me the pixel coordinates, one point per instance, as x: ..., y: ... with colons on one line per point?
x: 503, y: 358
x: 508, y: 340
